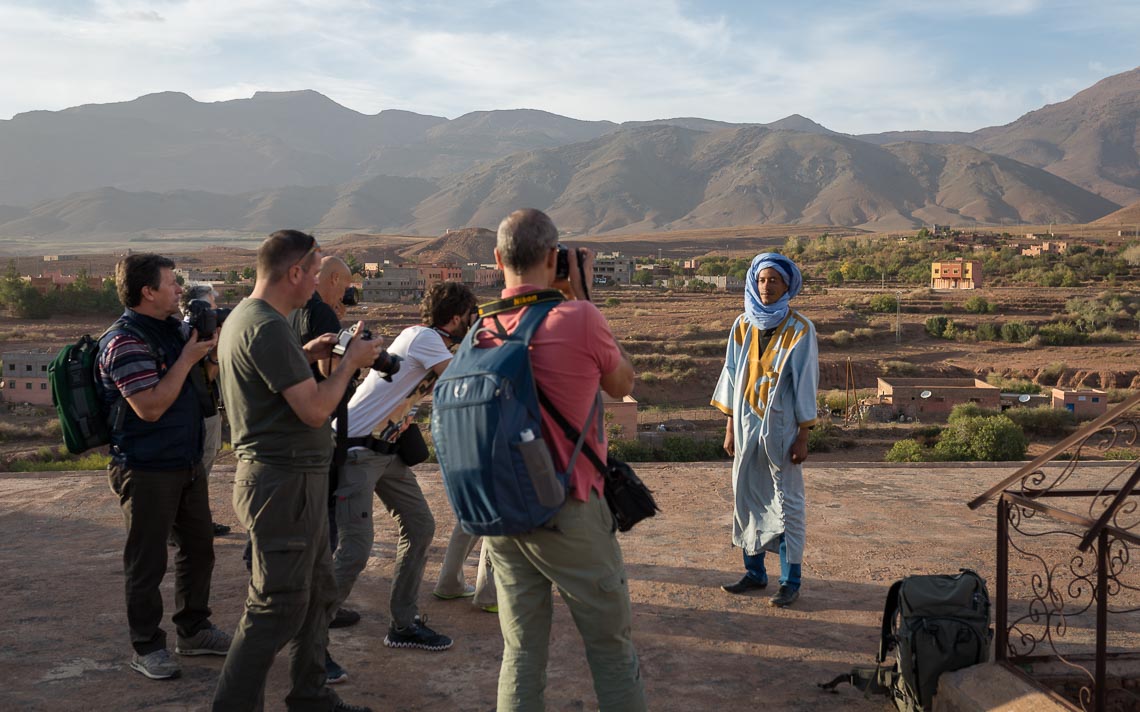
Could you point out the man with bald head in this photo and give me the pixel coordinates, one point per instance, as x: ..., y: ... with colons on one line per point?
x: 317, y: 317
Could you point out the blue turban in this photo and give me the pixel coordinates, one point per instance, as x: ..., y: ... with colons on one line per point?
x: 766, y: 317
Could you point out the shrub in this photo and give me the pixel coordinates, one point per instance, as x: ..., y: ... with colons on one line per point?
x: 1062, y: 334
x: 1107, y: 335
x: 1051, y: 374
x: 631, y: 450
x: 682, y: 448
x: 992, y: 438
x: 1042, y: 420
x: 613, y: 302
x: 1012, y: 385
x: 883, y: 303
x: 898, y: 368
x: 978, y: 304
x: 864, y: 333
x: 987, y: 331
x: 927, y: 435
x: 906, y: 451
x: 842, y: 338
x: 1016, y: 332
x: 970, y: 410
x: 936, y: 326
x: 1122, y: 454
x: 821, y: 438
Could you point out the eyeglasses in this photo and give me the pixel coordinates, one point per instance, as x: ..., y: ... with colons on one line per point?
x: 316, y: 246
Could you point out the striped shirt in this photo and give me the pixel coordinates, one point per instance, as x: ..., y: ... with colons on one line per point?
x: 128, y: 366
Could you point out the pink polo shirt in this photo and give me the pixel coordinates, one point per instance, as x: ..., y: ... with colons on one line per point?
x: 570, y: 352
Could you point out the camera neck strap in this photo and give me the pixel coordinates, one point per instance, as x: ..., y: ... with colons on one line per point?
x: 522, y: 300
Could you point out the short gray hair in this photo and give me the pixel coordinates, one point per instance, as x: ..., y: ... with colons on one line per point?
x: 198, y: 291
x: 525, y: 238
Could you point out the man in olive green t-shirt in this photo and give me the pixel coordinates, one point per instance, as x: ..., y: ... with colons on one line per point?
x: 279, y: 425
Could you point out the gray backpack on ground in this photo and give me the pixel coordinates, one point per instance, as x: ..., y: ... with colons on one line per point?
x: 935, y: 624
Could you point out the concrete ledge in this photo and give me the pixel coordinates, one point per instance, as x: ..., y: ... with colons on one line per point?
x: 993, y: 686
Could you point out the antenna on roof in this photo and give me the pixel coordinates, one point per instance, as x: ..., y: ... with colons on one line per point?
x: 1023, y: 398
x: 925, y: 394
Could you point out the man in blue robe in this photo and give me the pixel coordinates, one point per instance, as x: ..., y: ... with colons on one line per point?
x: 767, y: 389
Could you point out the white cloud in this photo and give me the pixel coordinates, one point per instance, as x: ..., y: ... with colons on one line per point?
x: 855, y: 69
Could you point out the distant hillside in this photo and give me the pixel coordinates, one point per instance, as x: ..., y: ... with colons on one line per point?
x: 666, y: 177
x: 1092, y: 140
x: 372, y: 205
x: 473, y: 244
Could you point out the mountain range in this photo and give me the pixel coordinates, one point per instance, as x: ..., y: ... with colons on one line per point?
x: 167, y: 162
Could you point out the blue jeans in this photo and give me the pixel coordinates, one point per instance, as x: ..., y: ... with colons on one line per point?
x: 790, y: 574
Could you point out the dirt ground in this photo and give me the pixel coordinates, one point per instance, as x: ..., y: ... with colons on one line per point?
x: 63, y: 636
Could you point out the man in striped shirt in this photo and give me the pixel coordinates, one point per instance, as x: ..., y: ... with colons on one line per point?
x: 144, y: 366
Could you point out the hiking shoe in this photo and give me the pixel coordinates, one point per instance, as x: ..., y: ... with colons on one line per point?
x: 786, y: 596
x: 334, y: 674
x: 158, y: 665
x: 744, y: 585
x: 468, y: 592
x: 342, y: 706
x: 208, y: 641
x: 344, y: 618
x: 417, y: 635
x: 491, y: 608
x: 220, y: 529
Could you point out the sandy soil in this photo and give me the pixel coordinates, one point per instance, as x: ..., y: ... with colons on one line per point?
x: 63, y: 639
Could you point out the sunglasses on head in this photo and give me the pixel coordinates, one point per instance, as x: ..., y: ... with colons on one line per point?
x: 316, y: 246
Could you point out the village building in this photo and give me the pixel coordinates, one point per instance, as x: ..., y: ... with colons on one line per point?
x: 25, y: 377
x: 956, y: 274
x: 934, y: 398
x: 1047, y: 247
x: 613, y: 267
x: 479, y: 276
x: 1084, y: 404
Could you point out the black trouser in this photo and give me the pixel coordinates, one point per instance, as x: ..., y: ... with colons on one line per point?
x: 156, y: 504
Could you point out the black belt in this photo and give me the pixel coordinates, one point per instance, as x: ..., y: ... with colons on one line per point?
x: 381, y: 446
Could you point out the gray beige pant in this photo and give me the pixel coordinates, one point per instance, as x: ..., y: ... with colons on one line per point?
x: 292, y: 593
x: 579, y: 553
x: 452, y: 583
x: 364, y: 473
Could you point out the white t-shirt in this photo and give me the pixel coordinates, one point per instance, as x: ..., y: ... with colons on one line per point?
x: 422, y: 348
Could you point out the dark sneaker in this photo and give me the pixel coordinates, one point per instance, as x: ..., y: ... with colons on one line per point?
x: 784, y: 597
x: 467, y: 592
x: 417, y: 635
x: 344, y: 618
x: 208, y: 641
x: 334, y: 673
x: 158, y: 665
x: 342, y: 706
x: 220, y: 529
x: 745, y: 585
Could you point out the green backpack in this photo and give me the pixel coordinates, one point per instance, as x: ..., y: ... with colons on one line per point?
x: 84, y: 419
x: 935, y: 624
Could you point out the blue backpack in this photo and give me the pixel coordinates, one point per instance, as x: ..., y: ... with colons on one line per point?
x: 487, y: 428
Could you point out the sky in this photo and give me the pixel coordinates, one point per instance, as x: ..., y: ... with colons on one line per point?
x: 856, y: 66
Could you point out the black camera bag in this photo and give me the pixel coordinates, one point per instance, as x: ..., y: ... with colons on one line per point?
x: 628, y: 498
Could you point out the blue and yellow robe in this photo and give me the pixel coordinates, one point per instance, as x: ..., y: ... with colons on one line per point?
x: 769, y: 396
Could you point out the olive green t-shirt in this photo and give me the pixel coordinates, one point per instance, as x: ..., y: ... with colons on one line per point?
x: 259, y: 357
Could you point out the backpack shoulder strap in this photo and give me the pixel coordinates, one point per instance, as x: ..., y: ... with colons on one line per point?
x: 890, y: 608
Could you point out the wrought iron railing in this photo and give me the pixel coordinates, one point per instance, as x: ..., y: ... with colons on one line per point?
x: 1067, y: 591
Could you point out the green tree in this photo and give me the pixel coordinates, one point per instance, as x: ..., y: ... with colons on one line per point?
x: 884, y: 303
x: 977, y: 304
x: 232, y: 277
x: 642, y: 277
x: 248, y: 273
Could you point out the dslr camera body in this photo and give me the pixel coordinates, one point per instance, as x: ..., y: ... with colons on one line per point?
x: 562, y: 270
x: 205, y: 318
x: 386, y: 364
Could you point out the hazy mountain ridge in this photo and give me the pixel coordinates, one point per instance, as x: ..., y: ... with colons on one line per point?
x: 166, y: 161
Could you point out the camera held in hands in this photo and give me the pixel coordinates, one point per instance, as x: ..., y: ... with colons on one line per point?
x: 562, y: 270
x: 205, y: 318
x: 386, y: 364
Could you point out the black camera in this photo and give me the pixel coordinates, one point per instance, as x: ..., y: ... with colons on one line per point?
x: 386, y: 364
x: 562, y: 271
x: 349, y: 299
x: 205, y: 318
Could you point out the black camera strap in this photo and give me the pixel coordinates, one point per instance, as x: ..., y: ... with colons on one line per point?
x: 572, y: 432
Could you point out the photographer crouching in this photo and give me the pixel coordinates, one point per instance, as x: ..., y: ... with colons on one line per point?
x: 279, y: 418
x: 380, y: 463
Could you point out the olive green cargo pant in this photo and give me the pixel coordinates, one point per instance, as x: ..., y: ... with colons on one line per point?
x: 578, y: 552
x: 292, y: 592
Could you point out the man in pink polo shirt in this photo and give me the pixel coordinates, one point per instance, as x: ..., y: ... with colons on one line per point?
x: 573, y: 353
